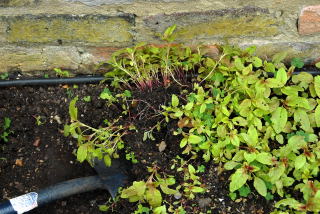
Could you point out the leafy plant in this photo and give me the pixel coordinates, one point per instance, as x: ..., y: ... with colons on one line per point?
x: 93, y: 143
x: 149, y: 191
x: 261, y: 127
x: 297, y: 62
x: 61, y: 73
x: 5, y: 131
x: 4, y: 75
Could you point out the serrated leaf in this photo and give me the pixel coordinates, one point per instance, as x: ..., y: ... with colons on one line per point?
x: 174, y: 100
x: 238, y: 179
x: 194, y: 139
x: 82, y: 153
x: 260, y: 186
x: 73, y: 111
x: 300, y: 161
x: 317, y: 85
x: 279, y: 119
x: 264, y: 158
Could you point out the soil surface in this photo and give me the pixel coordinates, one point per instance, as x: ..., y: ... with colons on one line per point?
x: 38, y: 155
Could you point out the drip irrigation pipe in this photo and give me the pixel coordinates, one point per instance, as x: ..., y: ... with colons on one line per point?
x: 52, y: 81
x: 80, y: 80
x: 61, y: 190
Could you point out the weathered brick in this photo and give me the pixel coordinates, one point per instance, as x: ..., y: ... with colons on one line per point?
x: 16, y: 3
x: 100, y: 2
x: 309, y: 20
x: 46, y: 58
x: 65, y: 29
x: 247, y: 21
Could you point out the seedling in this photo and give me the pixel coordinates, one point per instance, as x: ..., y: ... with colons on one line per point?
x: 5, y: 131
x: 4, y: 76
x: 61, y: 73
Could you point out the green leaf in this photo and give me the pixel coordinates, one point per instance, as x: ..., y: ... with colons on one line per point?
x: 253, y: 135
x: 317, y: 64
x: 73, y: 111
x: 264, y: 158
x: 203, y: 108
x: 279, y: 81
x: 174, y: 100
x: 166, y: 190
x: 292, y: 203
x: 82, y: 153
x: 260, y: 186
x: 276, y: 172
x: 317, y: 115
x: 244, y: 191
x: 134, y: 192
x: 107, y: 160
x: 257, y: 62
x: 301, y: 117
x: 250, y: 157
x: 189, y: 106
x: 279, y: 119
x: 238, y: 179
x: 297, y: 62
x: 317, y: 85
x: 194, y: 139
x: 231, y: 165
x: 154, y: 197
x: 238, y: 63
x: 197, y: 189
x: 160, y: 210
x: 191, y: 169
x: 300, y: 161
x: 297, y: 102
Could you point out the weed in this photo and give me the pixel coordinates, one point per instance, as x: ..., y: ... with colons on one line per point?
x: 4, y: 76
x: 61, y: 73
x: 5, y: 131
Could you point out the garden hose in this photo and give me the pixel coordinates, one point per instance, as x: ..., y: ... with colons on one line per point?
x: 79, y: 80
x: 29, y: 201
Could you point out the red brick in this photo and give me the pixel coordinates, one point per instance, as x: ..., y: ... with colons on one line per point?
x: 309, y: 20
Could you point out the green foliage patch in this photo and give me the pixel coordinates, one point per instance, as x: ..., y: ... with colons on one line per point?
x: 250, y: 115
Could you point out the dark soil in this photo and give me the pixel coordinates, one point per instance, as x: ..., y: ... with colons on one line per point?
x: 37, y: 156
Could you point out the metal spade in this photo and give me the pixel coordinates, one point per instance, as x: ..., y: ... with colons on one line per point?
x: 110, y: 178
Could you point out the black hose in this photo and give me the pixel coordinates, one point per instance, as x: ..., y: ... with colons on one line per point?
x: 52, y: 81
x: 58, y: 191
x: 81, y: 80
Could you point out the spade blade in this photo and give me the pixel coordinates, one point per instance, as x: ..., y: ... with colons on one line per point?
x: 112, y: 177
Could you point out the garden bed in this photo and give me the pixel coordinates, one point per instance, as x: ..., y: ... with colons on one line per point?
x: 37, y: 156
x: 235, y: 134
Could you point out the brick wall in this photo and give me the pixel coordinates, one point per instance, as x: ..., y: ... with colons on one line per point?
x: 39, y: 35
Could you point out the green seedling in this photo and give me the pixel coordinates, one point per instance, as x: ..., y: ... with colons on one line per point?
x: 87, y: 99
x: 61, y: 73
x: 4, y: 76
x: 39, y: 121
x: 5, y: 131
x: 297, y: 62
